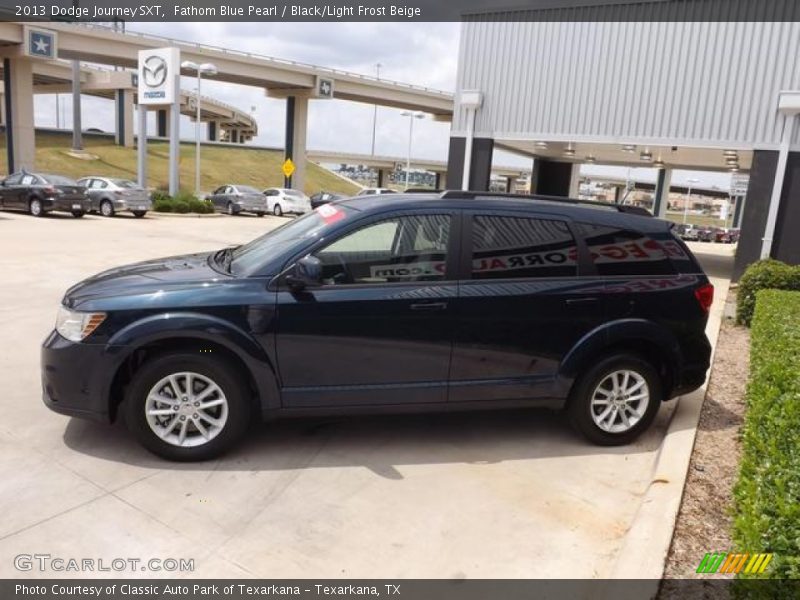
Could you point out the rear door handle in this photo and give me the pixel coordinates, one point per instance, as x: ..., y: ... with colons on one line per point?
x: 573, y: 301
x: 429, y: 306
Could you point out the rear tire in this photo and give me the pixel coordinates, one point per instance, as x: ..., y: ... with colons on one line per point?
x: 139, y: 213
x: 277, y: 210
x: 184, y: 430
x: 78, y: 214
x: 107, y: 208
x: 230, y: 209
x: 35, y: 207
x: 259, y: 214
x: 615, y: 400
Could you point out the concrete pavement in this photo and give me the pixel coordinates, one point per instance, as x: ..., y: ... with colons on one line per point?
x: 506, y: 494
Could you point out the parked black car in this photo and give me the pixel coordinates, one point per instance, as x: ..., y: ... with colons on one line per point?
x: 40, y: 193
x: 408, y: 302
x: 323, y: 197
x: 236, y: 198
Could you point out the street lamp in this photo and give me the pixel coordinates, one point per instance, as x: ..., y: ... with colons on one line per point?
x: 688, y: 198
x: 375, y: 107
x: 202, y: 69
x: 411, y: 116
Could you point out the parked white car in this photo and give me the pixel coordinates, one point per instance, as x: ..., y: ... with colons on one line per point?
x: 283, y: 201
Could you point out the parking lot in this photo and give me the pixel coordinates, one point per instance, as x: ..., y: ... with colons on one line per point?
x: 506, y: 494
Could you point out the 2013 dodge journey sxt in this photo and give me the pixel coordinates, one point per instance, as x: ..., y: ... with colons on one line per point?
x: 420, y: 302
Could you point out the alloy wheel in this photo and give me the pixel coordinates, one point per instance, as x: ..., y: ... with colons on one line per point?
x: 186, y: 409
x: 620, y: 401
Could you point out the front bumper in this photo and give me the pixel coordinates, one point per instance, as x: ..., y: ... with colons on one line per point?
x: 76, y: 378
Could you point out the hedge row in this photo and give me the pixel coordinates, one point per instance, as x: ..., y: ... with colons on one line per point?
x: 767, y: 494
x: 183, y: 202
x: 764, y: 274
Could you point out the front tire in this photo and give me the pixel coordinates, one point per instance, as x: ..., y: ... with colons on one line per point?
x: 106, y: 208
x: 78, y: 214
x: 615, y: 400
x: 139, y: 213
x: 230, y: 209
x: 277, y: 210
x: 188, y: 407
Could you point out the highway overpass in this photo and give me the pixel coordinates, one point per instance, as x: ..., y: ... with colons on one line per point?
x: 296, y: 82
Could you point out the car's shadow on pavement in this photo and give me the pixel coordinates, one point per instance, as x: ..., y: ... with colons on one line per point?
x: 379, y: 443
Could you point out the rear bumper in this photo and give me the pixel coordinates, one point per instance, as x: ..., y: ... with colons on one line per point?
x: 692, y: 372
x: 132, y: 204
x: 75, y: 378
x: 66, y: 204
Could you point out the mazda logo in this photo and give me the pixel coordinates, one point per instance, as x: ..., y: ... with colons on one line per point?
x: 154, y: 71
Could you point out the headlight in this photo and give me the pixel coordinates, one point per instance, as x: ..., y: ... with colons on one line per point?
x: 76, y: 326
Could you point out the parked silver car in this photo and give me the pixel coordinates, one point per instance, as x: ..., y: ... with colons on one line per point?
x: 110, y: 195
x: 235, y: 198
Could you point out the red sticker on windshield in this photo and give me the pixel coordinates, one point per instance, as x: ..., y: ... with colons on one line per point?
x: 330, y: 214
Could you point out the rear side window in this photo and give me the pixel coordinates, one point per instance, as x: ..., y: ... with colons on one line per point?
x: 518, y: 247
x: 617, y: 251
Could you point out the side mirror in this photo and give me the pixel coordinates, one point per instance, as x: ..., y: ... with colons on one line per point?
x: 307, y: 272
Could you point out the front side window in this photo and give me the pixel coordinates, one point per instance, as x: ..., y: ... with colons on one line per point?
x: 399, y: 249
x: 519, y: 247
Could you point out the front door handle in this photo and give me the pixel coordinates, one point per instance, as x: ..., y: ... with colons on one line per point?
x: 574, y: 301
x: 429, y: 306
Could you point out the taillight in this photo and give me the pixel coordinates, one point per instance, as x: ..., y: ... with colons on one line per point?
x: 705, y: 296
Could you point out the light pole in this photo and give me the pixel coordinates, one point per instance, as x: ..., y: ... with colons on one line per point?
x: 688, y: 198
x: 203, y: 69
x: 411, y: 116
x: 375, y: 108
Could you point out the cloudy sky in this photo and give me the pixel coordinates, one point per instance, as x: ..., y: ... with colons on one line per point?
x: 420, y: 53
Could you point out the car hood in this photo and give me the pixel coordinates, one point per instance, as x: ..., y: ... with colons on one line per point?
x: 144, y: 277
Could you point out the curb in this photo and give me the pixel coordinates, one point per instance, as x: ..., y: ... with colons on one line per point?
x: 185, y: 215
x: 646, y: 545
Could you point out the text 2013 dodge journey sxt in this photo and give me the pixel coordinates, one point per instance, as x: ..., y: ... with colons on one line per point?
x: 421, y: 302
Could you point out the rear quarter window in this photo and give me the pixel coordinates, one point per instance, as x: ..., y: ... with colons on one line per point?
x: 625, y: 252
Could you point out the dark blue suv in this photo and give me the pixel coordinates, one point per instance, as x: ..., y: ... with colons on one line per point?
x: 414, y: 302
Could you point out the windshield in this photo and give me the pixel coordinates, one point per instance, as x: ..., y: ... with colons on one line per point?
x: 247, y: 259
x: 125, y: 183
x: 58, y: 179
x: 246, y: 189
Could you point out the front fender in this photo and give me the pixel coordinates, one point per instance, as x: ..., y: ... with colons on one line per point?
x: 197, y: 326
x: 635, y: 331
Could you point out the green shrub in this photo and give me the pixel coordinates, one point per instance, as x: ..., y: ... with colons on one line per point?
x: 764, y: 274
x: 767, y: 494
x: 183, y: 202
x: 160, y: 195
x: 181, y: 206
x: 163, y: 204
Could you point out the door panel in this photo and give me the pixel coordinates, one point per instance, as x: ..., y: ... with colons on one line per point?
x: 379, y: 330
x: 521, y: 311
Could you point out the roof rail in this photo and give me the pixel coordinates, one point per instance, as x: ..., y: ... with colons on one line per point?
x: 471, y: 195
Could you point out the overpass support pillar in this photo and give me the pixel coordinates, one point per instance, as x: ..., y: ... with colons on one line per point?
x: 381, y: 177
x: 123, y: 118
x: 213, y: 131
x: 661, y: 198
x: 162, y: 123
x: 552, y: 178
x: 511, y: 185
x: 233, y: 136
x: 441, y: 181
x: 296, y: 127
x: 18, y: 105
x: 481, y: 162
